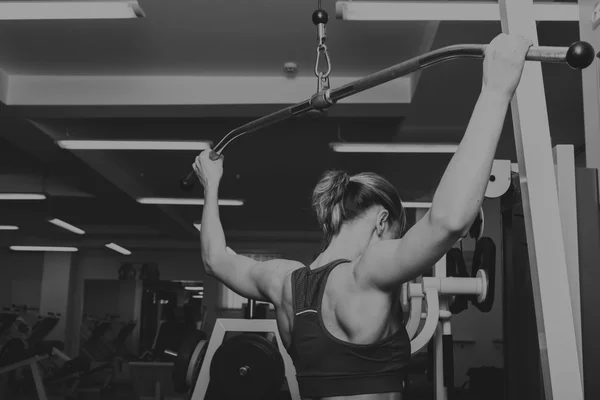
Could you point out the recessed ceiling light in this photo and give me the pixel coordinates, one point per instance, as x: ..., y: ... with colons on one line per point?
x: 67, y: 226
x: 118, y: 249
x: 446, y: 11
x: 186, y: 201
x: 22, y: 196
x: 57, y: 10
x: 394, y: 147
x: 44, y: 248
x: 134, y: 145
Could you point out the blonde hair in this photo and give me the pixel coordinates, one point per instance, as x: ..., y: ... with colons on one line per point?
x: 339, y: 198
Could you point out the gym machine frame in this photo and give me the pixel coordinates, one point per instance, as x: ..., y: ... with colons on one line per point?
x: 559, y: 331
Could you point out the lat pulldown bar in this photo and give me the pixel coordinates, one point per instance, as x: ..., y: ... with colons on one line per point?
x: 579, y: 55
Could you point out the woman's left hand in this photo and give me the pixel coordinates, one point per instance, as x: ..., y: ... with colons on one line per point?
x: 209, y: 171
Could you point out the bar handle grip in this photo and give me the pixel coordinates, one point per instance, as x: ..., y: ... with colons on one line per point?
x: 187, y: 182
x: 579, y: 55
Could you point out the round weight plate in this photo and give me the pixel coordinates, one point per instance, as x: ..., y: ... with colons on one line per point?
x: 484, y: 258
x: 482, y: 276
x: 184, y: 356
x: 196, y: 363
x: 248, y: 367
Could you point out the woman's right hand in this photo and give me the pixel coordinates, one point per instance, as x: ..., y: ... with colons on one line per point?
x: 209, y: 171
x: 504, y: 62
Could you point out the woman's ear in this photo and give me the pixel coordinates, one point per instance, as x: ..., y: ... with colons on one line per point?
x: 382, y: 218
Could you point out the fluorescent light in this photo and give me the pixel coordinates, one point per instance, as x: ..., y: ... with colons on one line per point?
x: 118, y: 249
x: 43, y: 248
x: 445, y: 11
x: 198, y: 296
x: 170, y: 353
x: 194, y: 288
x: 37, y: 10
x: 393, y: 147
x: 8, y: 227
x: 186, y: 201
x: 133, y: 145
x: 67, y: 226
x: 22, y: 196
x: 198, y: 226
x: 416, y: 204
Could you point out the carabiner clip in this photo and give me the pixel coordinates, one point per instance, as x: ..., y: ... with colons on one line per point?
x: 322, y: 48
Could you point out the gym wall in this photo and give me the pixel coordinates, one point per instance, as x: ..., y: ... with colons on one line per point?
x: 21, y: 281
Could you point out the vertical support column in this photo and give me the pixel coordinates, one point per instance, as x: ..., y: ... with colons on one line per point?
x: 564, y: 161
x: 589, y: 253
x: 591, y: 86
x: 56, y: 276
x: 441, y: 392
x: 554, y: 314
x: 443, y: 327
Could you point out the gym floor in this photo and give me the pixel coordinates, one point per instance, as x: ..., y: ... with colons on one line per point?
x: 100, y: 261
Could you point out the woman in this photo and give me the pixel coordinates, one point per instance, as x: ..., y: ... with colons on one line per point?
x: 340, y: 317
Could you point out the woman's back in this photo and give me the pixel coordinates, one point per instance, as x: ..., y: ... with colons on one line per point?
x: 343, y: 338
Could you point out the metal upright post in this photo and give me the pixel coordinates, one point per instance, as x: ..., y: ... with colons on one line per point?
x: 552, y: 299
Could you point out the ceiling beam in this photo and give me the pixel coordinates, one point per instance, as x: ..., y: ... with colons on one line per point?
x: 379, y: 110
x: 36, y: 90
x: 36, y: 183
x: 42, y: 157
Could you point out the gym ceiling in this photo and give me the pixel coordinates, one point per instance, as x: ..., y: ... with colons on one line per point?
x: 194, y: 71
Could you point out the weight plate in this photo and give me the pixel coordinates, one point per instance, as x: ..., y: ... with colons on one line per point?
x: 484, y: 258
x: 184, y: 356
x: 248, y: 367
x: 196, y: 363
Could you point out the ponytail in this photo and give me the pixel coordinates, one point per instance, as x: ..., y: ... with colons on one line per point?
x: 328, y: 202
